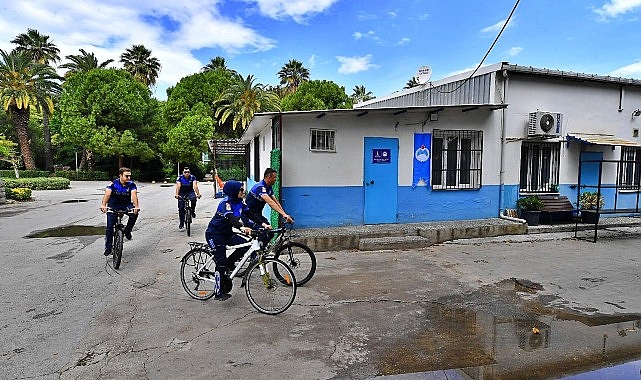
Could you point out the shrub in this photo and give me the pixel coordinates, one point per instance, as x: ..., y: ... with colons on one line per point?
x: 232, y: 173
x: 18, y: 193
x: 40, y: 183
x: 588, y: 200
x: 24, y: 173
x: 530, y: 203
x: 82, y: 175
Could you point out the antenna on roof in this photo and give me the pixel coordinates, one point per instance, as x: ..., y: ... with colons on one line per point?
x: 424, y: 74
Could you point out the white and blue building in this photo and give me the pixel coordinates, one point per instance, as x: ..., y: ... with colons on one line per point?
x: 465, y: 147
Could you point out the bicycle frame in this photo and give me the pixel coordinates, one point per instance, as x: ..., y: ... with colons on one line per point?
x: 253, y: 245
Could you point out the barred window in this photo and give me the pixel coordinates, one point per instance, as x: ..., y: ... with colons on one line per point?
x: 322, y: 140
x: 539, y: 167
x: 629, y: 168
x: 456, y: 159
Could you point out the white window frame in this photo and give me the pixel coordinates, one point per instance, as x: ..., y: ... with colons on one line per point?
x: 629, y: 168
x: 322, y: 140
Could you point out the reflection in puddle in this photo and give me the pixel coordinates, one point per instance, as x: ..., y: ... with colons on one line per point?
x: 484, y: 346
x: 68, y: 231
x: 76, y: 201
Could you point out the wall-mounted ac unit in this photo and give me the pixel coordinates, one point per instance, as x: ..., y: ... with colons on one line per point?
x: 543, y: 123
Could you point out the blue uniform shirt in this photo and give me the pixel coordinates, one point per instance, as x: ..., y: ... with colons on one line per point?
x: 255, y: 202
x: 186, y: 184
x: 219, y: 223
x: 121, y: 194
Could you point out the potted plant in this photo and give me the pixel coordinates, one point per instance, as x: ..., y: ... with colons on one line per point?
x: 588, y: 202
x: 530, y: 208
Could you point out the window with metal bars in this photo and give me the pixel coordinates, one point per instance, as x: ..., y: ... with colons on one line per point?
x: 322, y: 140
x: 456, y: 159
x: 539, y: 167
x: 629, y: 168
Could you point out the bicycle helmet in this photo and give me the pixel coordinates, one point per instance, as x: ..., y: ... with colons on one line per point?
x: 231, y: 189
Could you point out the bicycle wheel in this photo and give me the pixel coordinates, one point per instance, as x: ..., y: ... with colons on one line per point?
x: 188, y: 220
x: 197, y: 280
x: 117, y: 247
x: 264, y: 291
x: 301, y: 260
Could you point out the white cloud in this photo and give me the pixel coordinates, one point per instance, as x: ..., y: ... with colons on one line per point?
x: 360, y: 35
x: 514, y: 51
x: 403, y: 41
x: 353, y: 65
x: 495, y: 28
x: 615, y: 8
x: 298, y: 10
x: 312, y: 61
x: 630, y: 71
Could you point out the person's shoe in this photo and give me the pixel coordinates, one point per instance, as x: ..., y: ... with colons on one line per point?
x: 128, y: 235
x: 222, y: 296
x: 107, y: 252
x: 181, y: 225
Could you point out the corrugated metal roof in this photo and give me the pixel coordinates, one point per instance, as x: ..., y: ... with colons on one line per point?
x: 600, y: 139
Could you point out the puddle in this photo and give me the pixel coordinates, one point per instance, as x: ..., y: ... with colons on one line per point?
x: 75, y: 201
x: 68, y: 231
x: 480, y: 345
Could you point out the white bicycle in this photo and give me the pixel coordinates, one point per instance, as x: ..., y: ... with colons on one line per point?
x: 269, y: 283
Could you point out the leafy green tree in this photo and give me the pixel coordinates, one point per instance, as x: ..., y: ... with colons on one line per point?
x: 317, y: 95
x: 9, y: 154
x: 412, y: 83
x: 42, y: 50
x: 360, y: 94
x: 292, y: 75
x: 243, y: 99
x: 25, y: 83
x: 188, y: 139
x: 137, y: 60
x: 83, y: 62
x: 108, y: 112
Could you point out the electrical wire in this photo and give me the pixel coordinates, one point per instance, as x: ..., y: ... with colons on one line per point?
x: 484, y: 57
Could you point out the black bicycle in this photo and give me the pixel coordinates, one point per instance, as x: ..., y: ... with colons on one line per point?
x: 188, y: 215
x: 299, y: 257
x: 118, y: 237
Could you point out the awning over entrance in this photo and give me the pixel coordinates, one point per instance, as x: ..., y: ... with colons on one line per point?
x: 600, y: 139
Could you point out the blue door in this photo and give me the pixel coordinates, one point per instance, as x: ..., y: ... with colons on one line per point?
x: 590, y: 170
x: 381, y: 180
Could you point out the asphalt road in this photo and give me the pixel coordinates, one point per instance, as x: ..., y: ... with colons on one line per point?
x: 66, y: 314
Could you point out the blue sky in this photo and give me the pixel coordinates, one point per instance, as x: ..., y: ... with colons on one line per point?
x: 377, y: 44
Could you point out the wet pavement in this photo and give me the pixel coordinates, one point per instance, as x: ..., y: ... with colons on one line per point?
x: 535, y: 306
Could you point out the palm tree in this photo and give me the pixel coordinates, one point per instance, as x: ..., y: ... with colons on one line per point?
x: 218, y: 63
x: 38, y: 47
x: 25, y: 83
x: 292, y: 75
x: 412, y: 83
x: 360, y: 94
x: 138, y: 61
x: 83, y: 62
x: 243, y: 99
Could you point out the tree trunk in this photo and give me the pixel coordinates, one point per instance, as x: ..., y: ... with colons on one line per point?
x: 47, y: 138
x: 91, y: 165
x: 121, y: 161
x: 20, y: 121
x: 83, y: 160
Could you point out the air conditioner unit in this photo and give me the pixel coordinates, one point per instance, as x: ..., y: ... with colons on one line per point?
x: 547, y: 124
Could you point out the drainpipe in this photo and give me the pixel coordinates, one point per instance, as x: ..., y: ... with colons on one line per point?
x: 503, y: 137
x: 511, y: 219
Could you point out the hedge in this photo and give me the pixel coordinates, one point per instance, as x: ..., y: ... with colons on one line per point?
x: 71, y: 175
x: 24, y: 173
x: 19, y: 193
x: 48, y: 183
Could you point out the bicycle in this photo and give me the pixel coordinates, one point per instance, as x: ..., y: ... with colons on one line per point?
x: 270, y: 285
x: 187, y: 210
x: 118, y: 237
x: 299, y: 257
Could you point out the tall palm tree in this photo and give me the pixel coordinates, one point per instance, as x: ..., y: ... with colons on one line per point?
x: 412, y: 83
x: 83, y: 62
x: 360, y: 94
x: 40, y: 49
x: 25, y: 83
x: 138, y: 61
x: 292, y: 74
x: 243, y: 99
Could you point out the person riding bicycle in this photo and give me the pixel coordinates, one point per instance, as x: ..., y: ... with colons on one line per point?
x: 186, y: 187
x: 120, y: 195
x: 219, y: 232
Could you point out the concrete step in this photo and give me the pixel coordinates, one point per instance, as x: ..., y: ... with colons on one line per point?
x: 393, y: 242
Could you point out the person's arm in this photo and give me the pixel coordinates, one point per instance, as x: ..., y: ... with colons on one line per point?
x: 177, y: 189
x: 105, y: 199
x: 196, y: 189
x: 134, y: 199
x: 257, y: 218
x: 275, y: 205
x: 237, y: 222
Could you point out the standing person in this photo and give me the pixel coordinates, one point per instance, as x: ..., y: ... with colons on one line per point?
x: 186, y: 186
x: 219, y: 232
x: 120, y: 194
x: 262, y: 194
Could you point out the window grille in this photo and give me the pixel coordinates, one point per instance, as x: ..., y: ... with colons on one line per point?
x: 629, y: 168
x: 322, y: 140
x: 277, y: 131
x: 456, y: 159
x: 539, y: 167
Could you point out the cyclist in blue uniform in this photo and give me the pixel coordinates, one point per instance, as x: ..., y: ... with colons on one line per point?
x: 219, y: 232
x: 186, y: 186
x: 120, y: 194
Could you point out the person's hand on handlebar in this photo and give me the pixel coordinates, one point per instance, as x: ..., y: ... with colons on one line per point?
x: 177, y: 196
x: 136, y: 210
x: 288, y: 218
x: 246, y: 230
x: 103, y: 208
x: 267, y: 226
